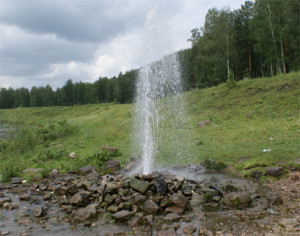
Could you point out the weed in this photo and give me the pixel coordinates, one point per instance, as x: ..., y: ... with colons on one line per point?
x: 213, y: 165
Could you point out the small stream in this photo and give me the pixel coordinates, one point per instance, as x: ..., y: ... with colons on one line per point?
x: 3, y: 131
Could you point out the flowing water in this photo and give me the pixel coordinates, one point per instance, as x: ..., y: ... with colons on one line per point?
x: 159, y: 118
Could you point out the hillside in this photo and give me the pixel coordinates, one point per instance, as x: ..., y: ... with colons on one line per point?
x: 247, y: 118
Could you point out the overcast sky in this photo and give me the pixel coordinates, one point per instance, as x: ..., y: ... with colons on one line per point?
x: 50, y: 41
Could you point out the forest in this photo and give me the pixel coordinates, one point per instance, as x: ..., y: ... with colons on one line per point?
x: 260, y: 39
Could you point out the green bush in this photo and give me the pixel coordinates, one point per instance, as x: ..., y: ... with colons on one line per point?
x: 231, y: 84
x: 26, y: 138
x: 56, y: 130
x: 9, y: 169
x: 214, y: 165
x: 98, y: 158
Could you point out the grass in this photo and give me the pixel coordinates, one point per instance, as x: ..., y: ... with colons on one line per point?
x: 254, y: 115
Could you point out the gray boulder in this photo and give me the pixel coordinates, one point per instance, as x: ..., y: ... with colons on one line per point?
x: 112, y: 165
x: 161, y: 186
x: 83, y: 214
x: 180, y: 200
x: 86, y: 170
x: 150, y: 207
x: 275, y: 171
x: 139, y: 185
x: 80, y: 198
x: 123, y: 215
x: 238, y: 200
x: 39, y: 211
x: 204, y: 123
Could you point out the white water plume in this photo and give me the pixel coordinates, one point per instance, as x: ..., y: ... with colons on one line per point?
x: 159, y: 113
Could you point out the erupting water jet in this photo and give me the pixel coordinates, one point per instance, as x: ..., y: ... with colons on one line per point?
x: 159, y: 114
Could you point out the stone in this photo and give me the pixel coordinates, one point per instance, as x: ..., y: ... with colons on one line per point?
x: 32, y: 170
x: 112, y: 165
x: 16, y: 181
x: 139, y: 185
x: 295, y: 177
x: 274, y: 200
x: 109, y: 199
x: 86, y: 170
x: 111, y: 188
x: 274, y: 171
x: 257, y: 174
x: 180, y: 200
x: 67, y: 209
x: 80, y: 198
x: 10, y: 206
x: 25, y: 197
x: 54, y: 172
x: 186, y: 190
x: 139, y: 199
x: 167, y: 232
x: 150, y: 207
x: 4, y: 200
x: 109, y: 149
x: 125, y: 205
x: 228, y: 187
x: 113, y: 209
x: 164, y: 203
x: 93, y: 175
x: 83, y: 214
x: 72, y: 155
x: 72, y: 189
x: 204, y: 123
x: 161, y: 186
x: 174, y: 209
x: 189, y: 229
x: 42, y: 187
x: 93, y: 188
x: 172, y: 217
x: 237, y: 200
x: 149, y: 219
x: 150, y: 177
x: 123, y: 215
x: 136, y: 220
x: 179, y: 178
x: 211, y: 206
x: 39, y: 211
x: 60, y: 191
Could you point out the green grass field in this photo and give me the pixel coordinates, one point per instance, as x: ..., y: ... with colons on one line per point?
x: 253, y: 115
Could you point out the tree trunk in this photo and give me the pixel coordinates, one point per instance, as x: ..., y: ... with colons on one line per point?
x: 228, y: 69
x: 271, y: 70
x: 269, y: 18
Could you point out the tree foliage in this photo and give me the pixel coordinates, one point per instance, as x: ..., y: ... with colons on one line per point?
x: 259, y: 39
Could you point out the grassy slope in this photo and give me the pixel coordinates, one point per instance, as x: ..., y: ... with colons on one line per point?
x: 272, y: 102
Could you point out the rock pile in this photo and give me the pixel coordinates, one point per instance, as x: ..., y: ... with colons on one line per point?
x: 138, y: 201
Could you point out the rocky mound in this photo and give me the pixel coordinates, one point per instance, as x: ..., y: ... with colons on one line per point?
x: 144, y: 203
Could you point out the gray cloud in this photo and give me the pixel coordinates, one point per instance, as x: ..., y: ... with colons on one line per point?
x: 49, y: 41
x: 74, y: 20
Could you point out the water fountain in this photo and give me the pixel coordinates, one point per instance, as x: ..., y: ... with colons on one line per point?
x: 159, y: 117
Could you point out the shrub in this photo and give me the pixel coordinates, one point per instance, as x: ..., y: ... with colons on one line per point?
x: 9, y: 169
x: 213, y: 165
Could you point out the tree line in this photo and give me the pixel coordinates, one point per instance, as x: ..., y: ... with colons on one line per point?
x: 117, y: 89
x: 259, y: 39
